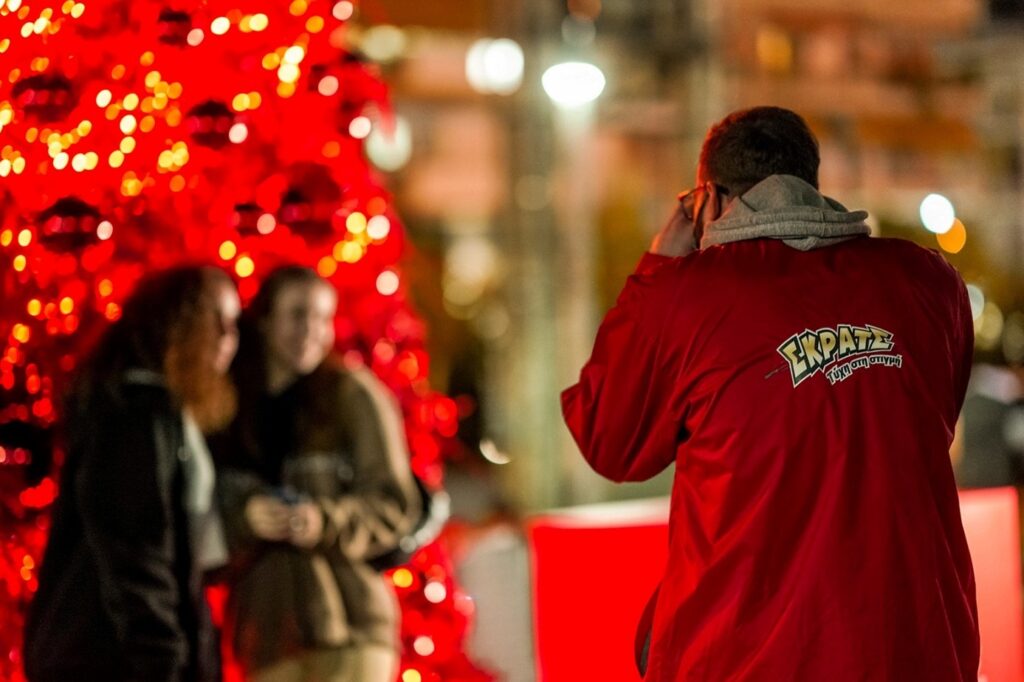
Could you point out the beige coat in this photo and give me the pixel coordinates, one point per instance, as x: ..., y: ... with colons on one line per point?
x: 351, y: 458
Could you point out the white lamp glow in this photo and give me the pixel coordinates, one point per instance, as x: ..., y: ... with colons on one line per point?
x: 573, y: 84
x: 937, y: 213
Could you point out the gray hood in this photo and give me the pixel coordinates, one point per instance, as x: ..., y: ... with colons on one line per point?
x: 787, y: 208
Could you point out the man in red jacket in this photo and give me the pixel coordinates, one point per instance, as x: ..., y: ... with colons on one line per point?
x: 805, y: 380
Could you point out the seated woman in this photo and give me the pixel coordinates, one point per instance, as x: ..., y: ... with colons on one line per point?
x: 134, y: 526
x: 315, y: 482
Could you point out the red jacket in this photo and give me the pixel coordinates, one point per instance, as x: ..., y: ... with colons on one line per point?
x: 808, y: 401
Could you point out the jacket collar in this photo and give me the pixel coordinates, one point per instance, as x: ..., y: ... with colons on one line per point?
x: 787, y: 208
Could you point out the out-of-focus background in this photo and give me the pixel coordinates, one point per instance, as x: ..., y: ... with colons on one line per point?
x: 527, y: 213
x: 527, y: 216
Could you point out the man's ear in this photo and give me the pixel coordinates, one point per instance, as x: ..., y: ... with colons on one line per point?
x: 714, y: 203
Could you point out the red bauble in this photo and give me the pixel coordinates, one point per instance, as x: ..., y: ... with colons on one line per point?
x: 174, y: 26
x: 210, y: 123
x: 45, y: 97
x: 309, y: 202
x: 68, y: 225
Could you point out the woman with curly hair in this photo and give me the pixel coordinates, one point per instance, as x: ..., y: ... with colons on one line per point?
x: 134, y: 526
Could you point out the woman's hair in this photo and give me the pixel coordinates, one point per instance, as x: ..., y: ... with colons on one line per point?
x: 168, y: 326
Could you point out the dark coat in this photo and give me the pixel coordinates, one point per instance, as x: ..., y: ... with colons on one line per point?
x: 120, y: 596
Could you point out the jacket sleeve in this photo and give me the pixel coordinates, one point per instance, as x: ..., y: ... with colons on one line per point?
x: 383, y: 504
x: 624, y: 413
x: 124, y: 490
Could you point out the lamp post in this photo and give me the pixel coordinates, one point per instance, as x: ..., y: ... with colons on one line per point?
x: 574, y: 88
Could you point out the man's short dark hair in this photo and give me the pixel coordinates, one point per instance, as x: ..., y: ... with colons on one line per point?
x: 747, y: 146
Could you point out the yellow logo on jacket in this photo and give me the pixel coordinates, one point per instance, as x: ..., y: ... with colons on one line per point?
x: 838, y: 352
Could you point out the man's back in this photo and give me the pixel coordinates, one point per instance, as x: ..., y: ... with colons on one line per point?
x: 808, y: 399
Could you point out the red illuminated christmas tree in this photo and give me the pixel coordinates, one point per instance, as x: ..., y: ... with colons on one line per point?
x: 137, y: 134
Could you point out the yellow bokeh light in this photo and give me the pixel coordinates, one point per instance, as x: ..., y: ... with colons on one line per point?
x: 220, y: 26
x: 173, y: 117
x: 66, y: 305
x: 402, y: 578
x: 954, y: 239
x: 294, y: 55
x: 288, y: 73
x: 245, y: 266
x: 152, y: 79
x: 412, y: 675
x: 177, y: 183
x: 228, y: 250
x: 240, y: 102
x: 174, y: 90
x: 128, y: 124
x: 127, y: 145
x: 130, y: 101
x: 271, y: 61
x: 105, y: 287
x: 147, y: 58
x: 20, y: 262
x: 103, y: 98
x: 77, y: 10
x: 298, y: 8
x: 118, y: 72
x: 352, y: 252
x: 315, y: 24
x: 84, y: 128
x: 327, y: 266
x: 32, y: 134
x: 356, y: 223
x: 35, y: 307
x: 116, y: 159
x: 147, y: 124
x: 259, y: 22
x: 285, y: 90
x: 6, y: 237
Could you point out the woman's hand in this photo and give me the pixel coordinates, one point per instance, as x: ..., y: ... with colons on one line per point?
x: 268, y: 517
x: 306, y: 525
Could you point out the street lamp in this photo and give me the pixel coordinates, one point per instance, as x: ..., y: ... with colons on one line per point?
x: 573, y: 84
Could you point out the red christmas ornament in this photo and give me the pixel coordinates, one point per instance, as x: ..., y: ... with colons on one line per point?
x: 310, y: 201
x: 210, y: 123
x: 45, y: 97
x: 174, y: 25
x: 69, y: 225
